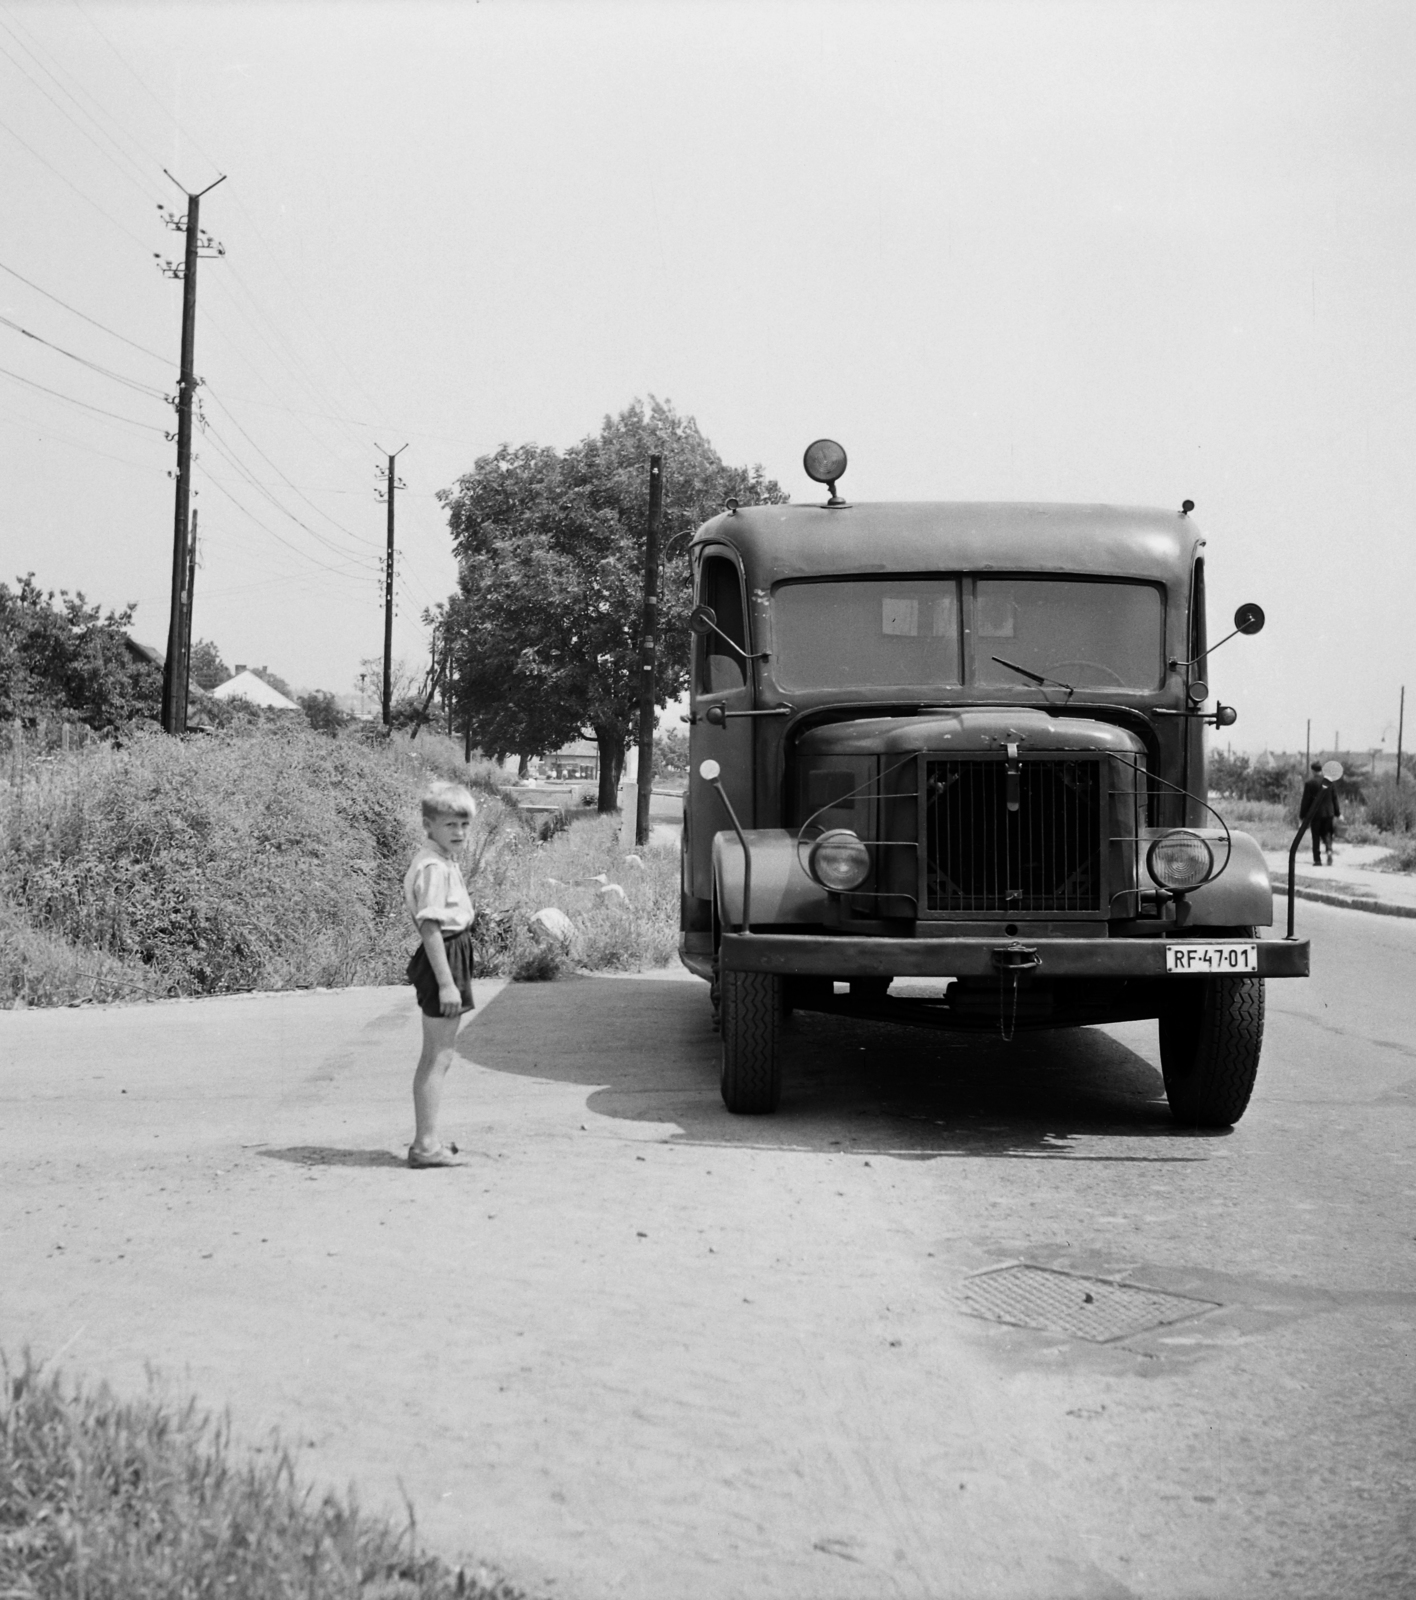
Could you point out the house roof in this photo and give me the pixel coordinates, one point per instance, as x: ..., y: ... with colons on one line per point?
x: 255, y: 690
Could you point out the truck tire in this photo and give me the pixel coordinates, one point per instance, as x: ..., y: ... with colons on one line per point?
x: 1211, y: 1032
x: 752, y: 1010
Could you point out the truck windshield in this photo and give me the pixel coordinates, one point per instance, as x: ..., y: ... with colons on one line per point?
x: 909, y: 633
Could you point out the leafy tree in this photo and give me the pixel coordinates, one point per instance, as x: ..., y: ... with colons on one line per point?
x: 70, y: 661
x: 545, y: 626
x: 403, y: 681
x: 207, y: 667
x: 324, y: 712
x: 670, y: 753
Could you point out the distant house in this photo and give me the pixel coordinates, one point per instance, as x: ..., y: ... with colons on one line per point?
x: 577, y: 761
x: 150, y: 653
x: 254, y: 690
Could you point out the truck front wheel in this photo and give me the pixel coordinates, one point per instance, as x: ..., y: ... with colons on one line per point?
x: 1211, y: 1032
x: 752, y: 1012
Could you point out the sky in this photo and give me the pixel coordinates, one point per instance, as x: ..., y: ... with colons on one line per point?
x: 1130, y: 253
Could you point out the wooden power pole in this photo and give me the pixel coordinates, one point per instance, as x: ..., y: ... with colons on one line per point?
x: 188, y: 601
x: 649, y: 650
x: 393, y: 484
x: 174, y: 685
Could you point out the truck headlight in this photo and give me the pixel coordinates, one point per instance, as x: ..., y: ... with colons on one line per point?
x: 838, y: 860
x: 1180, y: 860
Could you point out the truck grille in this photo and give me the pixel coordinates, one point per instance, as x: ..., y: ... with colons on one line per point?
x: 1045, y: 855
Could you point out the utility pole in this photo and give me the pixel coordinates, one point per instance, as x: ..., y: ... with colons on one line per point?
x: 188, y: 598
x: 174, y: 688
x: 648, y: 650
x: 1308, y: 747
x: 394, y: 483
x: 1400, y: 730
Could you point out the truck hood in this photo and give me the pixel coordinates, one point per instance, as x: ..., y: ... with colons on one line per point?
x: 969, y: 730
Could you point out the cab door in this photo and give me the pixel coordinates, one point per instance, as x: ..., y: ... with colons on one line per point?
x: 721, y: 679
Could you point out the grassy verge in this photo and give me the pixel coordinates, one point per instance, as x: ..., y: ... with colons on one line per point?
x: 103, y: 1499
x: 273, y: 858
x: 1273, y: 824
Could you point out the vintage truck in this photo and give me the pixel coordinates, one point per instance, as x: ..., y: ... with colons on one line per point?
x: 966, y: 743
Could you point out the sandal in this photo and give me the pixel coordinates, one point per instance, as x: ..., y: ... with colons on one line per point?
x: 444, y: 1156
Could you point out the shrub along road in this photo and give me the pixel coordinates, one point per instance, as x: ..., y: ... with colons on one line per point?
x: 637, y: 1347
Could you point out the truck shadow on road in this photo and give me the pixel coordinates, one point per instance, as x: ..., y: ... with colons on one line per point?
x: 647, y: 1050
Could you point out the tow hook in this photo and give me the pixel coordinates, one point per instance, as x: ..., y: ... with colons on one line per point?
x: 1016, y: 957
x: 1012, y: 961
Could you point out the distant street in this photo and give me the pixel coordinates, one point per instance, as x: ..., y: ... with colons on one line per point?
x: 640, y: 1348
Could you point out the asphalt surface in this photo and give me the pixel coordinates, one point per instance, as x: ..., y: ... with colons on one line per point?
x: 637, y: 1347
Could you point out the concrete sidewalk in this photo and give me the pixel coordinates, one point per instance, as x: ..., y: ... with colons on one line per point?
x: 1351, y: 881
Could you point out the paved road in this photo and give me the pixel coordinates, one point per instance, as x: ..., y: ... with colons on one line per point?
x: 640, y: 1348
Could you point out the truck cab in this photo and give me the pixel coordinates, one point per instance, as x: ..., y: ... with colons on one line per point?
x: 964, y: 743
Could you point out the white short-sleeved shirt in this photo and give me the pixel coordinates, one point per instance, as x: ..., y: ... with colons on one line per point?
x: 433, y: 891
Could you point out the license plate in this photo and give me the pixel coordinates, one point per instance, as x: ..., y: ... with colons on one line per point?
x: 1193, y: 957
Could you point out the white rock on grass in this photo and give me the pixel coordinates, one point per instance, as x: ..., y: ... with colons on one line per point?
x: 550, y: 925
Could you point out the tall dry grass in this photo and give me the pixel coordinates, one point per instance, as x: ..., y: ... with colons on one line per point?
x: 106, y: 1499
x: 271, y: 857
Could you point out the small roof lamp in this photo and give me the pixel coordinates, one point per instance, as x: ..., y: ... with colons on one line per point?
x: 825, y: 462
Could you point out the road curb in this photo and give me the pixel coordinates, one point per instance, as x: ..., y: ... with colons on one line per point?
x: 1381, y: 908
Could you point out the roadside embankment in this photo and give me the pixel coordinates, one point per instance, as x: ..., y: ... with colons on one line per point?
x: 268, y: 859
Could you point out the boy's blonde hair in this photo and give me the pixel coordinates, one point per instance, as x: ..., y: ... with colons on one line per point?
x: 447, y: 800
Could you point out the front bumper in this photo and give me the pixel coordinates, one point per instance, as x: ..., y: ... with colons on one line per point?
x: 804, y: 954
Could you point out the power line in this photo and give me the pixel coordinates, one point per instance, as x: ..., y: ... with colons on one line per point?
x: 68, y: 184
x: 53, y: 436
x: 148, y: 426
x: 358, y: 538
x: 253, y: 482
x: 84, y: 315
x: 142, y: 83
x: 131, y: 383
x: 140, y: 182
x: 116, y: 133
x: 343, y: 572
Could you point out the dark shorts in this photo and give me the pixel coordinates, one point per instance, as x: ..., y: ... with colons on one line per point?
x: 425, y: 981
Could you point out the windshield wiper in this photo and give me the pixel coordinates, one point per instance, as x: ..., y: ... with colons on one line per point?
x: 1036, y: 677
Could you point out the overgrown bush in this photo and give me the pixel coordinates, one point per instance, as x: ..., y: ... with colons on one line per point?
x: 104, y: 1499
x: 1237, y: 777
x: 257, y: 859
x: 268, y: 856
x: 1390, y: 808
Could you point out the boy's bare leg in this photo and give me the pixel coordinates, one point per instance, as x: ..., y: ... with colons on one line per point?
x: 439, y: 1039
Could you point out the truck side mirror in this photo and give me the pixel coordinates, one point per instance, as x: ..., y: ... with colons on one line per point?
x: 703, y: 620
x: 708, y: 771
x: 1249, y: 618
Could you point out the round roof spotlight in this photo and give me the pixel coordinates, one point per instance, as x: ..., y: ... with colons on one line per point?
x: 838, y: 860
x: 1249, y: 618
x: 1180, y: 860
x: 825, y: 462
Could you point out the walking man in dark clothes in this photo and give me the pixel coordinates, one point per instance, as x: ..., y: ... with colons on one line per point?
x: 1319, y: 808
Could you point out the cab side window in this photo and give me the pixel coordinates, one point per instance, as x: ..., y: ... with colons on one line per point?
x: 719, y: 666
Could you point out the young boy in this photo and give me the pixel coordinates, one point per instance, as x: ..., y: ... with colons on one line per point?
x: 441, y: 968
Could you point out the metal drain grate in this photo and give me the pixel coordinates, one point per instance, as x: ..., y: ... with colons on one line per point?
x: 1082, y: 1308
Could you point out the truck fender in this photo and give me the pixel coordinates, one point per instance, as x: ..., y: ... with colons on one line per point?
x: 781, y: 889
x: 1241, y: 896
